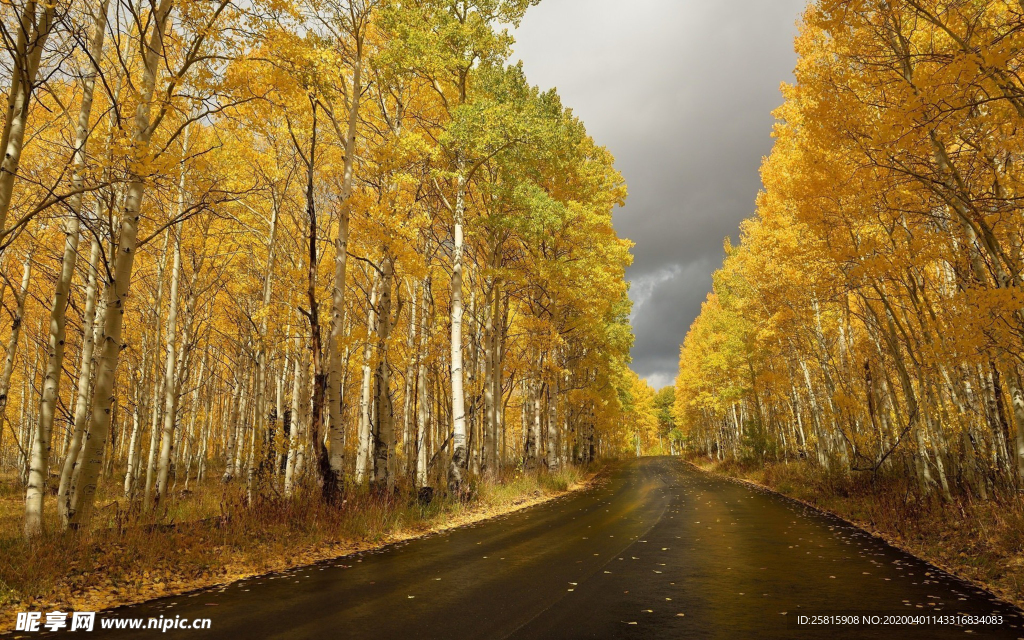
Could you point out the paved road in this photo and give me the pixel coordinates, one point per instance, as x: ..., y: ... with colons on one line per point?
x: 659, y: 550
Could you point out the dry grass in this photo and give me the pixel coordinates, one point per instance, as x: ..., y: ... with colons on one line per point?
x: 981, y: 541
x: 210, y: 536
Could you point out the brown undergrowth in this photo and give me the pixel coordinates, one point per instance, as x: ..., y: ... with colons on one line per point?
x: 980, y: 541
x: 209, y: 536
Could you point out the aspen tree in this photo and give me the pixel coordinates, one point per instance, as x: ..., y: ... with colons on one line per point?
x: 85, y: 367
x: 12, y: 344
x: 35, y: 24
x: 365, y: 437
x: 170, y: 399
x: 384, y: 430
x: 296, y: 446
x: 354, y: 19
x: 422, y: 399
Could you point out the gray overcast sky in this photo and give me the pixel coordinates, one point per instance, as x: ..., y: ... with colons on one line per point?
x: 681, y: 92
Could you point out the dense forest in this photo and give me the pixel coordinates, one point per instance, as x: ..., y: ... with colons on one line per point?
x: 297, y: 247
x: 871, y: 319
x: 286, y: 282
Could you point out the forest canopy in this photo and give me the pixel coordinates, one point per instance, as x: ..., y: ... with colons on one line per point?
x: 872, y: 316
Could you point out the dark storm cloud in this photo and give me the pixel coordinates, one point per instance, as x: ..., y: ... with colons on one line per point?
x: 681, y: 91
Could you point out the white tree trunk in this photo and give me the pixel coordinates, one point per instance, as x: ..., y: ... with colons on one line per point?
x: 190, y: 436
x: 423, y: 400
x: 335, y: 395
x: 552, y: 443
x: 279, y: 456
x: 232, y: 427
x: 459, y: 454
x: 410, y: 388
x: 133, y: 446
x: 170, y: 399
x: 490, y: 423
x: 89, y: 321
x: 365, y: 451
x: 300, y: 401
x: 159, y: 380
x: 241, y: 423
x: 384, y: 433
x: 32, y: 35
x: 534, y: 450
x: 12, y: 343
x: 259, y: 407
x: 1017, y: 399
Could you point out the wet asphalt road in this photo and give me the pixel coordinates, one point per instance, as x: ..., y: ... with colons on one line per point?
x: 657, y: 550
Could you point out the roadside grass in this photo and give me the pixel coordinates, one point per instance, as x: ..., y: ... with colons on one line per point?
x: 210, y: 535
x: 980, y: 540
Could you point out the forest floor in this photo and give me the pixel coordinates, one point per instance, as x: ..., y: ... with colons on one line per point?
x: 979, y: 541
x: 209, y: 537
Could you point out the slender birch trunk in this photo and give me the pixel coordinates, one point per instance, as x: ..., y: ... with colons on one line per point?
x: 234, y: 410
x: 207, y: 436
x: 301, y: 418
x: 533, y: 438
x: 133, y: 445
x: 492, y: 377
x: 422, y: 404
x: 24, y: 433
x: 85, y: 367
x: 335, y: 392
x: 365, y: 451
x: 408, y: 403
x: 1017, y: 399
x: 261, y: 353
x: 459, y: 454
x: 154, y: 435
x: 189, y: 435
x: 384, y: 433
x: 12, y: 342
x: 32, y: 36
x: 279, y: 453
x: 295, y: 444
x: 241, y: 425
x: 170, y: 399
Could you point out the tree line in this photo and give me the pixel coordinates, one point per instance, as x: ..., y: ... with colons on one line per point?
x: 297, y: 246
x: 872, y: 316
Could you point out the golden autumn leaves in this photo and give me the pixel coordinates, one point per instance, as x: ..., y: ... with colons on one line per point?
x: 278, y: 196
x: 872, y: 312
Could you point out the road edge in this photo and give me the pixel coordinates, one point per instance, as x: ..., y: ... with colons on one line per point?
x: 991, y: 590
x: 477, y: 515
